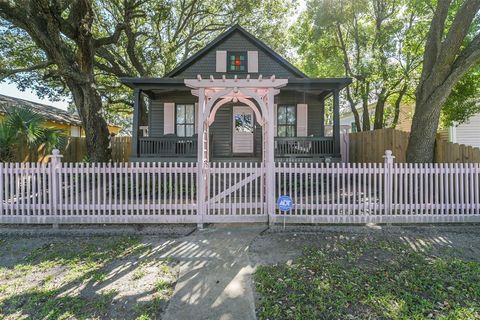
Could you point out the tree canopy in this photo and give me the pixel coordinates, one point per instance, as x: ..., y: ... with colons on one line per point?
x: 397, y: 52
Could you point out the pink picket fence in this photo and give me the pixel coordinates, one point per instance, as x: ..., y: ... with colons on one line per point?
x: 238, y: 192
x: 98, y: 193
x: 379, y: 193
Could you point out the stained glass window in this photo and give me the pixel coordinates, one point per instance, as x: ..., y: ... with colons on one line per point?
x: 286, y: 121
x: 237, y: 62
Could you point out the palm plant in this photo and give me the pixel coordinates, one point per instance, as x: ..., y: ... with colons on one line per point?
x: 24, y: 126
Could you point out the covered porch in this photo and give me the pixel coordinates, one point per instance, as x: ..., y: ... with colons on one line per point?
x: 229, y: 119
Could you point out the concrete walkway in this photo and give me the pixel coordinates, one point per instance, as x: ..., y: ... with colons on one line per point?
x: 215, y: 275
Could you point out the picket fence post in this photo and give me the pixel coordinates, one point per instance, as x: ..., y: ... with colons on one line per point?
x: 388, y: 180
x: 55, y: 163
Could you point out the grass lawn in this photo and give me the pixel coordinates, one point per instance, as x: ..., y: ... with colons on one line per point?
x: 83, y: 278
x: 365, y: 278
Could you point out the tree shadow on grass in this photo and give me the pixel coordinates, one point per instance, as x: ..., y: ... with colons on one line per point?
x: 115, y: 277
x: 362, y: 276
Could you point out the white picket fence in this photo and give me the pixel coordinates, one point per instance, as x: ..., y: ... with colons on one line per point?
x: 237, y: 192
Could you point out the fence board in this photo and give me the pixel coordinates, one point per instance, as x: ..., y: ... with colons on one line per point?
x: 369, y: 146
x: 61, y: 192
x: 75, y: 150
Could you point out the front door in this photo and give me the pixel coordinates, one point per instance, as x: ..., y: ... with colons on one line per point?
x: 243, y: 130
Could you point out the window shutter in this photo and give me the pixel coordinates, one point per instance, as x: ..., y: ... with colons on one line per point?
x: 196, y: 118
x: 168, y: 118
x: 221, y: 61
x: 275, y: 120
x: 302, y: 120
x: 252, y: 61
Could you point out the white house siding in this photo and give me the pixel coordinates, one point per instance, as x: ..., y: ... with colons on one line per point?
x: 467, y: 133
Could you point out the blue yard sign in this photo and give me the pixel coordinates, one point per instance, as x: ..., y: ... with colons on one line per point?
x: 284, y: 203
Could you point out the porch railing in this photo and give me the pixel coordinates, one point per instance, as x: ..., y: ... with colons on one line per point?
x: 304, y: 147
x: 169, y: 146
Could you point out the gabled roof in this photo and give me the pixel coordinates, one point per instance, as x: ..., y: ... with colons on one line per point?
x: 48, y: 112
x: 224, y: 36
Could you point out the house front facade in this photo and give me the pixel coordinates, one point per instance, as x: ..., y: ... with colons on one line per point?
x: 236, y: 99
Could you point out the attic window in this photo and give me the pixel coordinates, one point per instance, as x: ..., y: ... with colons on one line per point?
x: 237, y: 62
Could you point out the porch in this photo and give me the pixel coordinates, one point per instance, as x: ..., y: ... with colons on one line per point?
x: 171, y: 125
x: 174, y: 147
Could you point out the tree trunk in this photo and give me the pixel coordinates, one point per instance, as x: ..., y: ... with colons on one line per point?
x: 366, y: 113
x: 365, y: 117
x: 356, y: 117
x: 97, y: 137
x: 397, y: 105
x: 421, y: 145
x: 379, y: 111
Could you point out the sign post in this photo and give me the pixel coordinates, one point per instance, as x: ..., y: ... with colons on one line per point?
x: 285, y: 204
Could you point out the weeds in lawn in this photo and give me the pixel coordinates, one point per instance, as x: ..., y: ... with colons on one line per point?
x: 364, y: 278
x: 73, y: 278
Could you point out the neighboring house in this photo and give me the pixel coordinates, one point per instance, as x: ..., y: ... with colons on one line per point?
x: 234, y: 99
x: 467, y: 133
x: 55, y: 117
x: 347, y: 121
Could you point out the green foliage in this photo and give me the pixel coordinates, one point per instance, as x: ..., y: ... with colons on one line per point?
x: 377, y: 43
x: 157, y: 35
x: 368, y: 278
x: 464, y: 101
x: 23, y: 126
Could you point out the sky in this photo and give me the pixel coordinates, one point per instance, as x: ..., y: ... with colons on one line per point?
x: 9, y: 89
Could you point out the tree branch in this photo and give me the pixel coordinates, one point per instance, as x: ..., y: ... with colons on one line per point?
x: 457, y: 33
x: 434, y: 38
x: 112, y: 39
x: 5, y: 73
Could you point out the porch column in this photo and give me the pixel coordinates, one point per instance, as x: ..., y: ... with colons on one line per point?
x: 201, y: 172
x: 270, y: 157
x: 336, y: 122
x: 136, y: 121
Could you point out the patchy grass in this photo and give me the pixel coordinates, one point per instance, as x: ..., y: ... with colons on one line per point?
x: 369, y: 279
x: 82, y: 278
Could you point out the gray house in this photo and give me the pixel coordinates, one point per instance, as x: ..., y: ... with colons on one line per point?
x: 236, y: 99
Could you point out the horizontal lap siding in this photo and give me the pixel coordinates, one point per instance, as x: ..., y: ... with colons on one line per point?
x: 221, y: 131
x: 258, y: 140
x: 156, y: 116
x: 155, y: 119
x: 205, y: 66
x: 468, y: 133
x: 315, y: 119
x: 315, y: 124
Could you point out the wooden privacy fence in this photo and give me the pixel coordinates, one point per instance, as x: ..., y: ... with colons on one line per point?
x: 75, y: 150
x: 60, y: 192
x: 369, y: 146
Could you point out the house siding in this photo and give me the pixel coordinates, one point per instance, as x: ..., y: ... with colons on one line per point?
x: 221, y: 131
x: 468, y: 133
x: 221, y: 128
x: 206, y: 65
x: 156, y: 115
x: 315, y: 109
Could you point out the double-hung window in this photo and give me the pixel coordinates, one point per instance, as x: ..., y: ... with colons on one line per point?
x: 185, y: 120
x: 286, y: 121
